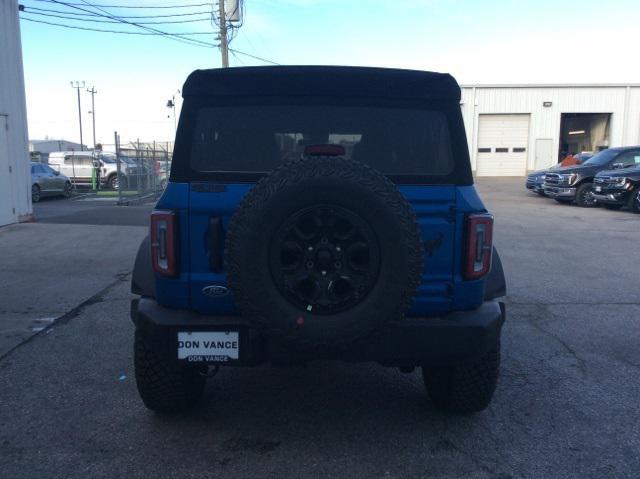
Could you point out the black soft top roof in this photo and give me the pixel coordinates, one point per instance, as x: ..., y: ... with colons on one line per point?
x: 322, y: 81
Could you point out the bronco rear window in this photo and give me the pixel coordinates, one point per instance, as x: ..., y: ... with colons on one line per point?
x: 257, y: 139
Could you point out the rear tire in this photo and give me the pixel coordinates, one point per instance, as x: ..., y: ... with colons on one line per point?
x: 35, y: 193
x: 68, y: 190
x: 584, y: 196
x: 464, y: 388
x: 634, y: 201
x: 164, y: 385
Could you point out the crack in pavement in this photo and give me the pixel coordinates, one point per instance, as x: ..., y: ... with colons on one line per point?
x: 447, y: 444
x: 581, y: 363
x: 72, y: 313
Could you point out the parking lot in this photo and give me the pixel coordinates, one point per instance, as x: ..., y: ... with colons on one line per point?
x: 566, y: 404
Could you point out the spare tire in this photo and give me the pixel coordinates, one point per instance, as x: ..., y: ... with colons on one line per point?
x: 323, y: 251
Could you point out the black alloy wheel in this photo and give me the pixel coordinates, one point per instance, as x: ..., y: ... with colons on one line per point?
x: 35, y: 193
x: 325, y: 259
x: 68, y: 189
x: 634, y: 203
x: 584, y: 196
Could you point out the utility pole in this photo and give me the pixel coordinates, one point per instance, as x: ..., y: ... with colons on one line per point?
x: 93, y: 91
x: 77, y: 85
x: 224, y: 41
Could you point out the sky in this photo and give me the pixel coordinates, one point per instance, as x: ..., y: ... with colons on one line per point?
x: 526, y: 41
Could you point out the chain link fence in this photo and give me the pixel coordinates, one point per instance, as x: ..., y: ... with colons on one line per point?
x: 134, y: 170
x: 119, y: 172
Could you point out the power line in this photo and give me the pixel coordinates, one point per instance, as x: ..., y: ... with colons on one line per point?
x: 93, y: 20
x: 237, y: 57
x: 76, y: 14
x: 233, y: 50
x: 75, y: 27
x: 189, y: 41
x: 148, y: 7
x: 148, y: 30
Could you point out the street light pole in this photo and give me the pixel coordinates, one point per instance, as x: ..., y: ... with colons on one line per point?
x: 77, y: 85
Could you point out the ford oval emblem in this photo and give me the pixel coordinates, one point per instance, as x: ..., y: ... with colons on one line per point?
x: 215, y: 291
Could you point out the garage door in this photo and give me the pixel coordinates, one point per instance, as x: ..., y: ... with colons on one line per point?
x: 502, y: 145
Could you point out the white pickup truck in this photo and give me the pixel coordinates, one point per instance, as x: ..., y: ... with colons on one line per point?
x: 78, y: 166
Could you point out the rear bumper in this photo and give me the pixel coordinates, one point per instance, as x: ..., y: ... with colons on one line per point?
x: 560, y: 192
x: 456, y: 337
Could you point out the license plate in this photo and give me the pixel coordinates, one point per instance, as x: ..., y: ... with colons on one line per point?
x: 598, y: 189
x: 208, y: 346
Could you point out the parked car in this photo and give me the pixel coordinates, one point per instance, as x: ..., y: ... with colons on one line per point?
x: 379, y: 253
x: 162, y: 169
x: 79, y: 166
x: 131, y: 172
x: 616, y: 188
x: 45, y: 181
x: 575, y: 183
x: 109, y: 171
x: 76, y: 165
x: 535, y: 181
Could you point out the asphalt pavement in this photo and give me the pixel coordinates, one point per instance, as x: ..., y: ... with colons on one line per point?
x: 73, y: 250
x: 91, y: 212
x: 566, y: 405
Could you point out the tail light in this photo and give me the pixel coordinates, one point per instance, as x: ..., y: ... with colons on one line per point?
x: 479, y: 239
x: 164, y: 244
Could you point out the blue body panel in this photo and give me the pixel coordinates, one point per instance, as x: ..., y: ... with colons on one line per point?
x: 174, y: 292
x: 440, y: 211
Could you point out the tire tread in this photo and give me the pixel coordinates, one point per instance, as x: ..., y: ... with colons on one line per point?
x: 464, y: 388
x: 164, y: 385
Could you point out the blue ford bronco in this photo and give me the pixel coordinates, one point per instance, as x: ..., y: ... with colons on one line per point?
x: 317, y: 213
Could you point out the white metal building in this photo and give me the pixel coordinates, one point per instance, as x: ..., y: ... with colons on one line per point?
x: 39, y: 149
x: 512, y: 129
x: 15, y: 175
